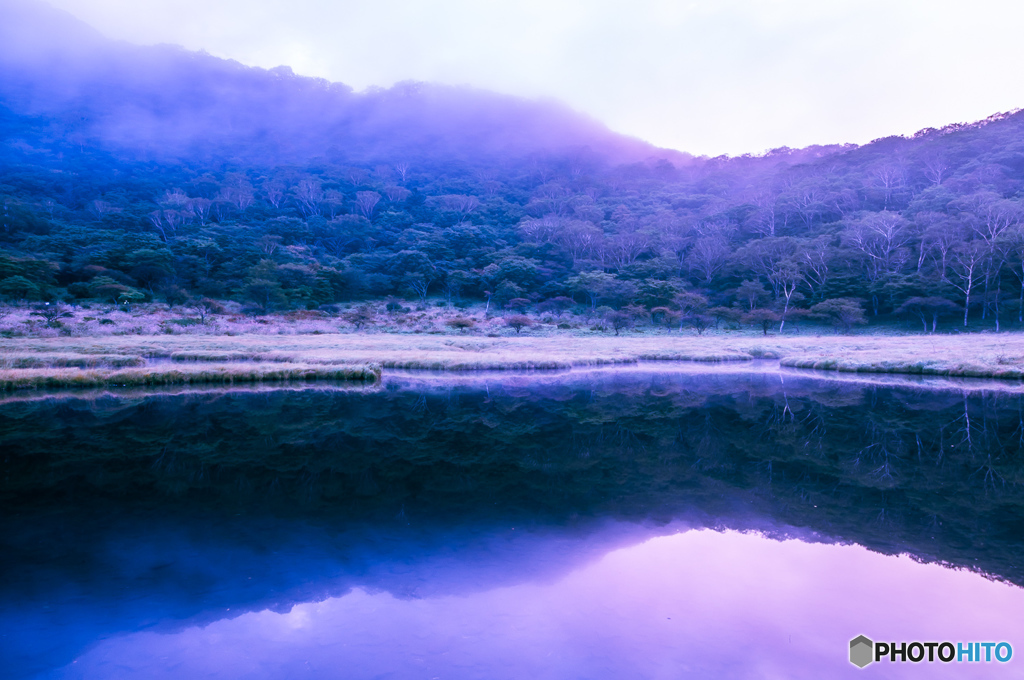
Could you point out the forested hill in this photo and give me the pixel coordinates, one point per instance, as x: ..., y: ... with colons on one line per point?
x: 155, y: 173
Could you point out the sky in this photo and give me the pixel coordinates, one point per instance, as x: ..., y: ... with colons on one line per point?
x: 708, y: 77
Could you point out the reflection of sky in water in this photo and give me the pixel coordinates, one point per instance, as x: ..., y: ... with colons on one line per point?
x: 699, y: 603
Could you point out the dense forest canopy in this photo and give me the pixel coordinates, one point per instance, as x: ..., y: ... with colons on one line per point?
x: 131, y: 173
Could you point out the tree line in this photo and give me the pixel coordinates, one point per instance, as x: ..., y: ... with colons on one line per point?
x: 928, y: 229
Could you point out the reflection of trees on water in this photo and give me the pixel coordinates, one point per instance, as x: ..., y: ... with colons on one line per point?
x: 936, y: 473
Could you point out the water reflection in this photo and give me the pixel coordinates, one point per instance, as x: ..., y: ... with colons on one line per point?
x: 174, y: 512
x: 700, y: 604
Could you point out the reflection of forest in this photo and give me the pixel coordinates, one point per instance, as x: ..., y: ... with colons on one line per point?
x: 932, y: 473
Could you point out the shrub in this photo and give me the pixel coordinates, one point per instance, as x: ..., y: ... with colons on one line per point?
x: 52, y: 313
x: 460, y: 323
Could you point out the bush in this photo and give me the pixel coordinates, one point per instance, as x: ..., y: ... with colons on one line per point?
x: 460, y: 323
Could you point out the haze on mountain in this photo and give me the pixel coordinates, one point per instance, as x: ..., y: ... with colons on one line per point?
x: 165, y: 102
x: 158, y: 174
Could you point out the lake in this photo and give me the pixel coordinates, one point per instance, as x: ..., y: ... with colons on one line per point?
x: 660, y: 521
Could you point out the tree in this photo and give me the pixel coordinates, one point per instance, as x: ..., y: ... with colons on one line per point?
x: 923, y: 307
x: 556, y: 305
x: 765, y: 318
x: 657, y: 293
x: 720, y: 314
x: 882, y: 239
x: 619, y: 320
x: 18, y: 288
x: 967, y: 259
x: 366, y: 202
x: 518, y: 304
x: 309, y: 195
x: 265, y: 293
x: 204, y: 307
x: 751, y: 294
x: 700, y: 322
x: 273, y: 191
x: 460, y: 323
x: 708, y: 257
x: 844, y: 313
x: 518, y: 322
x: 128, y: 297
x: 396, y: 194
x: 600, y: 286
x: 106, y: 288
x: 786, y: 279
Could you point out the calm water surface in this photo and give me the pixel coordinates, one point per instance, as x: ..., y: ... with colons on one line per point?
x: 650, y: 523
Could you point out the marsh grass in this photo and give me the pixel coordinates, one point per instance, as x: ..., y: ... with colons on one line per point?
x: 68, y: 360
x: 301, y: 349
x: 13, y: 379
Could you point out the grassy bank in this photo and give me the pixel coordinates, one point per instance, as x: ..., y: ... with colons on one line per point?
x: 186, y: 374
x: 186, y: 359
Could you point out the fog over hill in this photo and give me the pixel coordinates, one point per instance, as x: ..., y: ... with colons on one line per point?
x: 165, y: 102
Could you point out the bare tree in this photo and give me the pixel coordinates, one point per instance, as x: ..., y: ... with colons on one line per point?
x: 766, y: 256
x: 543, y: 230
x: 708, y: 257
x: 989, y: 217
x: 580, y: 239
x: 334, y: 201
x: 935, y: 166
x: 460, y: 204
x: 309, y: 194
x: 273, y: 191
x: 624, y: 249
x: 396, y: 194
x: 366, y: 202
x: 766, y: 216
x: 890, y: 178
x: 238, y: 192
x: 100, y: 208
x: 402, y: 169
x: 882, y: 239
x: 815, y: 257
x: 201, y: 209
x: 967, y: 259
x: 786, y: 277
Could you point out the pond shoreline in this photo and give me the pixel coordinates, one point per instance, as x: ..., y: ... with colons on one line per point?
x: 184, y: 360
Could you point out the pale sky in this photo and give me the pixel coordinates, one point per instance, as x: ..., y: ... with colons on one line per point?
x: 707, y: 76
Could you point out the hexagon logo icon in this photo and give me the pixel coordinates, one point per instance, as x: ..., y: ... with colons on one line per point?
x: 862, y: 651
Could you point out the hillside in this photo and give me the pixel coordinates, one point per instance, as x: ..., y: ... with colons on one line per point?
x: 155, y: 174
